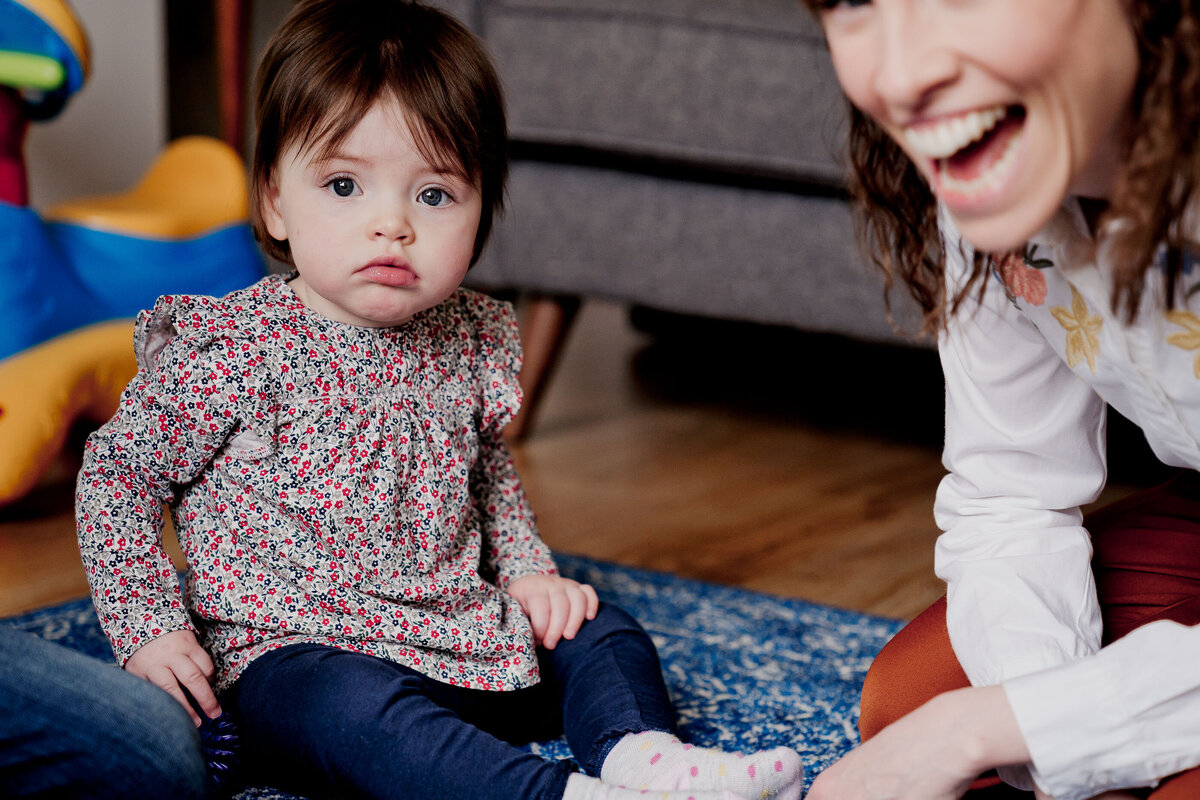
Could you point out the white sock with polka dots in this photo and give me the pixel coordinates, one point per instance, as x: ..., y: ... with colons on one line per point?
x: 658, y: 760
x: 582, y: 787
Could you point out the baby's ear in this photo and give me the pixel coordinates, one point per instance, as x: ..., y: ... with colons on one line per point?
x: 271, y: 215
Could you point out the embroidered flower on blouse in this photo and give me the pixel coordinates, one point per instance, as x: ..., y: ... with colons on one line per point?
x: 1021, y: 274
x: 1188, y: 339
x: 1082, y: 328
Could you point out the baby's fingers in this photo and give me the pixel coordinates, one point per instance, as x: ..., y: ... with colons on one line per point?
x: 560, y: 615
x: 579, y: 609
x: 537, y: 608
x: 195, y: 677
x: 164, y: 678
x: 593, y: 602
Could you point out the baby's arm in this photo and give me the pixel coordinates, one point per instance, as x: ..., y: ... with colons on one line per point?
x: 522, y: 562
x: 512, y: 547
x: 556, y: 606
x: 513, y: 553
x: 176, y: 662
x: 171, y: 421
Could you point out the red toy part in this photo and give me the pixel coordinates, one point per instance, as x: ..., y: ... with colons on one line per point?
x: 14, y: 185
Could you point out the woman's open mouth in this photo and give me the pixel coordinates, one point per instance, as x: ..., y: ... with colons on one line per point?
x: 972, y: 153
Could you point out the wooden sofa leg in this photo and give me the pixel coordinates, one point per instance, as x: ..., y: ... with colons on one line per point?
x: 545, y: 322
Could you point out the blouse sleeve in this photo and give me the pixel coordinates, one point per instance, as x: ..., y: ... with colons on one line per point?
x: 1024, y: 450
x: 512, y: 547
x: 191, y: 390
x: 1124, y: 717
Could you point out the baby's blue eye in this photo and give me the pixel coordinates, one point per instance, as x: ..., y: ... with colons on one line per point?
x: 433, y: 196
x: 342, y: 187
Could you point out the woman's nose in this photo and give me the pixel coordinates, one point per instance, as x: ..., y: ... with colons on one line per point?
x: 916, y: 58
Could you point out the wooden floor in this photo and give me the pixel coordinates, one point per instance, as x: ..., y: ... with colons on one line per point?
x: 803, y: 467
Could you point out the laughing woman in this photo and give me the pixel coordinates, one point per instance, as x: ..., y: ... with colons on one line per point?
x: 1027, y: 170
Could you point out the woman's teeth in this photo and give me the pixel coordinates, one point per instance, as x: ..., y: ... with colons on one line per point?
x: 947, y: 137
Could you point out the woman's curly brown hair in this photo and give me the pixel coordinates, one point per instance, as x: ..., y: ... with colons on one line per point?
x: 897, y: 219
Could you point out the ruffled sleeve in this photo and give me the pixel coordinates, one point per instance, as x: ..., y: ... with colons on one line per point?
x: 497, y: 362
x: 512, y: 547
x: 199, y: 382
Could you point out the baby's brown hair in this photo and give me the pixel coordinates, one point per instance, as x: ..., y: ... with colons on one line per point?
x: 331, y: 60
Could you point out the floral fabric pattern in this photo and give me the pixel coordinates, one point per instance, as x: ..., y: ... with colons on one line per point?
x: 1021, y: 275
x: 1189, y: 339
x: 1083, y: 328
x: 328, y: 483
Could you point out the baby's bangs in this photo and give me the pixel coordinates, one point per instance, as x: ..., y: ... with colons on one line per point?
x: 325, y: 124
x: 322, y: 127
x: 438, y: 146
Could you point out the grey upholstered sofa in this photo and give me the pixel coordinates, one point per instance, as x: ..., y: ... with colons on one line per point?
x: 676, y: 153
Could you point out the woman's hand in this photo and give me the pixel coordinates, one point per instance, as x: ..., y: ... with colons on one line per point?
x: 932, y: 754
x: 175, y: 661
x: 556, y: 606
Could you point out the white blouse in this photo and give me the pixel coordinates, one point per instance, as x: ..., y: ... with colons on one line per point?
x: 1029, y: 368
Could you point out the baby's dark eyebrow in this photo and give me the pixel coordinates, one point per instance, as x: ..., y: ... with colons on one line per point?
x: 325, y: 159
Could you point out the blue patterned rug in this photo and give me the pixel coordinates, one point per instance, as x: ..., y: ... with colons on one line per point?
x: 746, y: 671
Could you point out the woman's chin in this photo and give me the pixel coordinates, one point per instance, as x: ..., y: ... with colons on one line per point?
x: 1001, y: 231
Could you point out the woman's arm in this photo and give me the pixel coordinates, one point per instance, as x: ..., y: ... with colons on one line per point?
x: 1024, y: 450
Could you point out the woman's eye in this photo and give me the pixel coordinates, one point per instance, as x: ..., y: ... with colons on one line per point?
x: 343, y: 187
x: 433, y: 196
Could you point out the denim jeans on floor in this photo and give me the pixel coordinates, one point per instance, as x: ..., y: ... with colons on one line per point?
x: 316, y: 719
x: 74, y: 726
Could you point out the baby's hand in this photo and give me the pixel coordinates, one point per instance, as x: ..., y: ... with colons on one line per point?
x: 176, y: 660
x: 556, y: 606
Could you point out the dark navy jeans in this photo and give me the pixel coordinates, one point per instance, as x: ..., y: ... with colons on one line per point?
x: 74, y: 726
x: 316, y: 719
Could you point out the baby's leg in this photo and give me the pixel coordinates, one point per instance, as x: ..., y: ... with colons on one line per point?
x: 318, y: 718
x: 621, y: 726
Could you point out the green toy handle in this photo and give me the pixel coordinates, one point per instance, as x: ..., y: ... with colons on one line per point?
x: 30, y: 71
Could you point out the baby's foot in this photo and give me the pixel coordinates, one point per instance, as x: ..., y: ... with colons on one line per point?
x: 582, y: 787
x: 658, y: 760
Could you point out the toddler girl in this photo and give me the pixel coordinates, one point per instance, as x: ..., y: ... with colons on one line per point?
x: 365, y: 577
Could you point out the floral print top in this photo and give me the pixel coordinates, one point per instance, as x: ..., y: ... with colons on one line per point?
x: 1031, y: 366
x: 328, y: 483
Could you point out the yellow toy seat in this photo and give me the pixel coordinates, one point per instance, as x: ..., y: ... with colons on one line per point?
x: 44, y: 389
x: 197, y: 184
